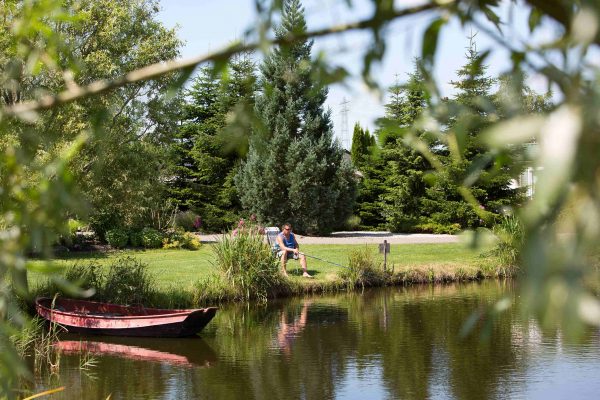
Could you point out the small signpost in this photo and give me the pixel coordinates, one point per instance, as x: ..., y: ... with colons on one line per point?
x: 385, y: 249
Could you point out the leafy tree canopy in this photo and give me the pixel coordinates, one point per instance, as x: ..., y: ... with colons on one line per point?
x: 38, y: 186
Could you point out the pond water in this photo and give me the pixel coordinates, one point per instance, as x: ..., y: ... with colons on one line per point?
x: 392, y: 343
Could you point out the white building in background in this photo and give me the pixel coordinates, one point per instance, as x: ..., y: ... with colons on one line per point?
x: 527, y: 179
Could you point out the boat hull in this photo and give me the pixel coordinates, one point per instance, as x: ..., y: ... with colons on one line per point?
x: 87, y: 317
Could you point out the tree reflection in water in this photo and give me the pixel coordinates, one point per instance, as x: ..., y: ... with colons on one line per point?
x: 397, y: 343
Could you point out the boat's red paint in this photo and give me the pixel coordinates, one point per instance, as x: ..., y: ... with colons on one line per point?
x: 80, y: 316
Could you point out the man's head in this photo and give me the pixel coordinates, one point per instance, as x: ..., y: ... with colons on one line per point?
x: 287, y: 227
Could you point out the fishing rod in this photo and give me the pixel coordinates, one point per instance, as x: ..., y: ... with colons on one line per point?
x: 330, y: 262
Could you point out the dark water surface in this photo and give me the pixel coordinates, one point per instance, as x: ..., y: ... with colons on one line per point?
x: 393, y: 343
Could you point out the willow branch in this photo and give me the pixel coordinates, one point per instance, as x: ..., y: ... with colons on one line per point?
x: 159, y: 69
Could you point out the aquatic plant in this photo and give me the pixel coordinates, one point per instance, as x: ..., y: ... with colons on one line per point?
x: 247, y: 262
x: 510, y: 235
x: 363, y: 270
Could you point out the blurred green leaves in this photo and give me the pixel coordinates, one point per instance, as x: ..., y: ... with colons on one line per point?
x: 39, y: 187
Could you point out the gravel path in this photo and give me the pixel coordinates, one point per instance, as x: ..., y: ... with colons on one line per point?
x: 363, y: 238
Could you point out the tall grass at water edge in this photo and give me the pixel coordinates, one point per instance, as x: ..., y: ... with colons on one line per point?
x: 510, y: 235
x: 363, y: 270
x: 125, y: 281
x: 248, y: 265
x: 37, y: 343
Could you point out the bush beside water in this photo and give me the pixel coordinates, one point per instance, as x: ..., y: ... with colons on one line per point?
x: 248, y: 264
x: 125, y: 281
x: 363, y: 270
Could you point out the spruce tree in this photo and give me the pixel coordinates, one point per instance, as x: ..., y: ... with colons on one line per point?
x: 444, y: 205
x: 205, y: 169
x: 294, y: 171
x: 200, y: 114
x: 371, y: 182
x: 405, y: 167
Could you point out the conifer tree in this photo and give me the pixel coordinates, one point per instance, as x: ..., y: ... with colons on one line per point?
x: 362, y: 145
x: 371, y: 182
x: 204, y: 170
x: 405, y: 167
x: 444, y: 205
x: 294, y: 171
x: 200, y: 115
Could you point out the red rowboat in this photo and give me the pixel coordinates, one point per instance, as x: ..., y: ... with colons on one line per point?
x: 80, y: 316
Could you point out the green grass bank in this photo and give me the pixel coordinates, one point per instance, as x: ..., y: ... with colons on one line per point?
x: 177, y: 273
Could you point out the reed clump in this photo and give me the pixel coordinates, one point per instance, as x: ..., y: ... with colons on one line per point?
x: 248, y: 265
x: 510, y: 234
x: 36, y: 343
x: 363, y: 270
x: 126, y: 281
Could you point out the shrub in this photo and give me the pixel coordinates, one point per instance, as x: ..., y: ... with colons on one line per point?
x: 104, y: 221
x: 88, y: 277
x: 128, y: 282
x: 191, y: 241
x: 248, y: 264
x: 135, y: 238
x: 178, y: 239
x: 117, y: 238
x: 187, y: 221
x: 69, y: 238
x: 363, y: 270
x: 151, y: 238
x: 125, y: 281
x: 352, y: 223
x: 437, y: 228
x: 169, y: 243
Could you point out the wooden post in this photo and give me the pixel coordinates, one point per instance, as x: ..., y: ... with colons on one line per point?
x: 385, y: 249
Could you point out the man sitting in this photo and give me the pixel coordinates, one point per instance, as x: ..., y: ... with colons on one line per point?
x: 288, y: 248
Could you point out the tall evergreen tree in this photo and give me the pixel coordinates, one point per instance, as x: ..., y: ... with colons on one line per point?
x: 201, y: 114
x: 444, y: 204
x: 371, y: 183
x: 204, y: 170
x: 294, y: 171
x: 405, y: 167
x: 362, y: 145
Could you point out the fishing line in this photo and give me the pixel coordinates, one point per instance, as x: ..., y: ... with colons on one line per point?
x: 330, y: 262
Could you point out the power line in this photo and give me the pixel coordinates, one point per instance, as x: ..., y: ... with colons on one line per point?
x: 345, y: 133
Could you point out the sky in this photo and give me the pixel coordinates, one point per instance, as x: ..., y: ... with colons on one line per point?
x: 208, y: 25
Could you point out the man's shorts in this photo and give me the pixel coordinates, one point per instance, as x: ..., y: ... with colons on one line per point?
x: 290, y: 255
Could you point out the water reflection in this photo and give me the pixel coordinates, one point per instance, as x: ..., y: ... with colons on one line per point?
x: 288, y: 331
x: 396, y: 343
x: 190, y: 352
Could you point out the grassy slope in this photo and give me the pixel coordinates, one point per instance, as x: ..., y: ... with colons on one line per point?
x: 181, y: 268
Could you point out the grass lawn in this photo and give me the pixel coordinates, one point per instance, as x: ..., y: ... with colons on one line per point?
x: 181, y: 268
